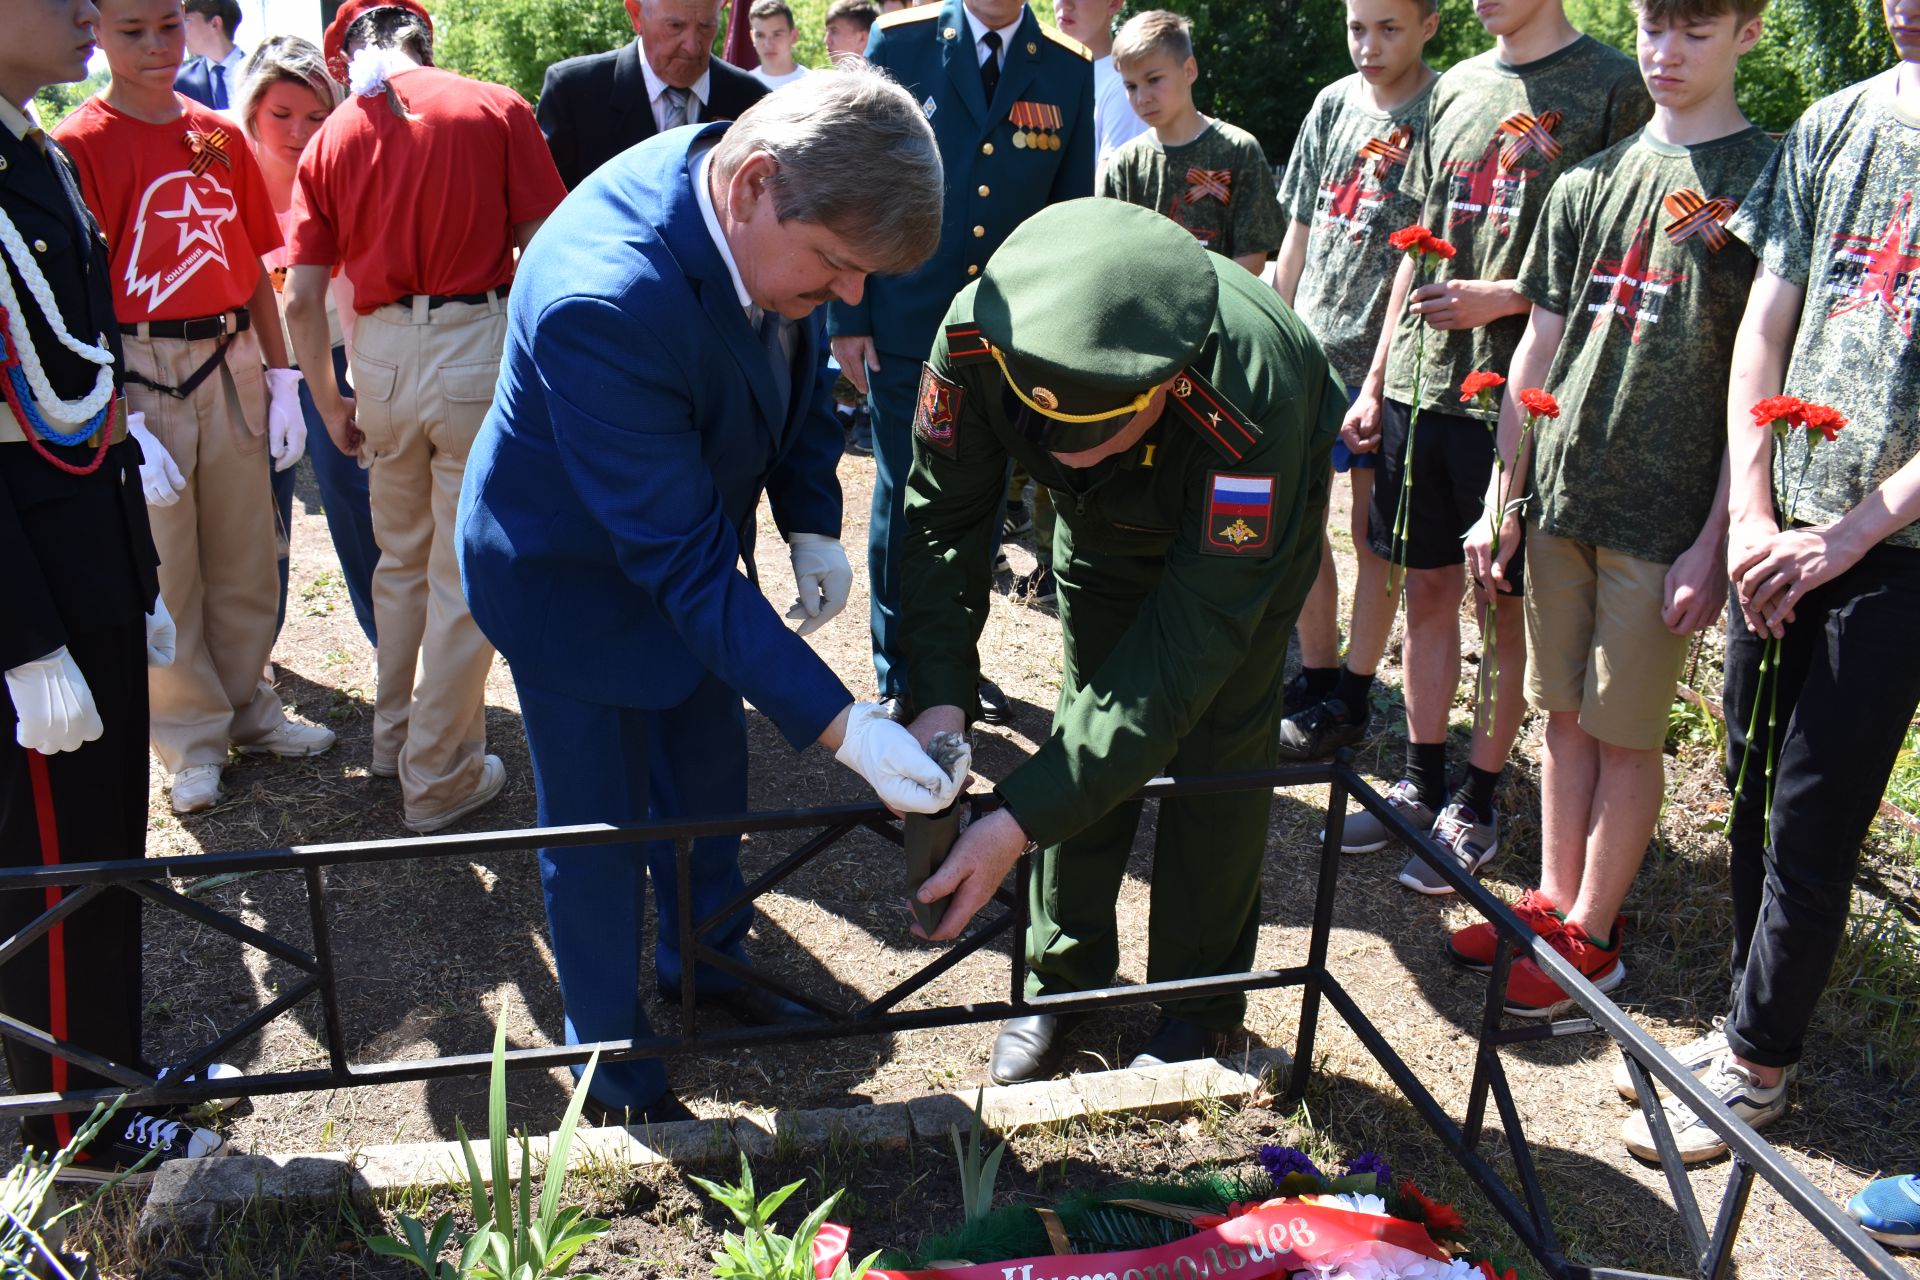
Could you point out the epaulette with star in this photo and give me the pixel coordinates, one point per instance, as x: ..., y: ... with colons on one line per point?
x: 1062, y: 39
x: 1200, y: 405
x: 966, y: 344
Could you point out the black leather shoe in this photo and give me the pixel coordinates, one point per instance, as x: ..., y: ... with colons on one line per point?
x: 1177, y: 1040
x: 994, y: 707
x: 1029, y: 1048
x: 748, y: 1006
x: 665, y: 1109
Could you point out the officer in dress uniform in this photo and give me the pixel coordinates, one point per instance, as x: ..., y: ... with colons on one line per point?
x: 1011, y: 105
x: 80, y: 616
x: 1181, y: 417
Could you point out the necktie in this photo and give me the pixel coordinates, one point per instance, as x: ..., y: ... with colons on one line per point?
x: 990, y: 67
x: 770, y: 326
x: 673, y: 108
x: 218, y: 75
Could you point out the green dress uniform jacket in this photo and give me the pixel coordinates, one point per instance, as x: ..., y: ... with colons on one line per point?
x: 1182, y: 565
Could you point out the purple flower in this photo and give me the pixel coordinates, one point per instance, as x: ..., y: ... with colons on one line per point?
x: 1367, y: 1162
x: 1282, y: 1161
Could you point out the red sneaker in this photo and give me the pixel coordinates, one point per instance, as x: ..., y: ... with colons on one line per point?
x: 1532, y: 994
x: 1472, y: 947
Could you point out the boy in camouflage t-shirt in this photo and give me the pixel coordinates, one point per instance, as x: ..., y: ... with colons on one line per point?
x: 1501, y: 128
x: 1336, y: 269
x: 1834, y: 308
x: 1637, y: 288
x: 1206, y: 175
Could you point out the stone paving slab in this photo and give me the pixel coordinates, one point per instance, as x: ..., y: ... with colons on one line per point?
x: 195, y: 1195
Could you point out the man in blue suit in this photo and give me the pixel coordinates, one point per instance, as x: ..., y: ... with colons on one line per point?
x: 1011, y: 103
x: 659, y: 374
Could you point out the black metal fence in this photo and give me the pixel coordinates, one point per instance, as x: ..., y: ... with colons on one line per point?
x: 1524, y: 1207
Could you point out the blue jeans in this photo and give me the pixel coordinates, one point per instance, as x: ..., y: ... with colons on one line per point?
x: 343, y: 498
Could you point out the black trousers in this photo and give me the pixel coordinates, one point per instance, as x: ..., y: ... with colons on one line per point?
x: 81, y: 982
x: 1849, y: 683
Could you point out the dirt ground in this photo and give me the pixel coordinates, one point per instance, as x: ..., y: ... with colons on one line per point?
x: 430, y: 952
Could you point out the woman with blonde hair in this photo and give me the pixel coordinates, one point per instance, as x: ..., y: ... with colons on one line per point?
x: 286, y: 95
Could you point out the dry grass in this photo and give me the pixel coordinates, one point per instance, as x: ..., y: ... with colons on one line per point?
x: 431, y: 952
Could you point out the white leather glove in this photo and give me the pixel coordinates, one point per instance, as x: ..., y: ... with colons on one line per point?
x: 905, y: 778
x: 160, y: 479
x: 821, y: 572
x: 160, y: 635
x: 286, y: 424
x: 54, y: 704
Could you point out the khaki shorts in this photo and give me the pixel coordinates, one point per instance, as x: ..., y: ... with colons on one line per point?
x: 1595, y: 641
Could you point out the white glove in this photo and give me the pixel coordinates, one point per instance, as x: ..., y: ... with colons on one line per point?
x: 286, y: 424
x: 905, y: 778
x: 54, y: 704
x: 160, y: 635
x: 160, y: 479
x: 821, y: 572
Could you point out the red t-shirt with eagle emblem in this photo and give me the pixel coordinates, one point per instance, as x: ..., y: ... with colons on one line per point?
x: 1634, y: 251
x: 1497, y: 138
x: 184, y: 208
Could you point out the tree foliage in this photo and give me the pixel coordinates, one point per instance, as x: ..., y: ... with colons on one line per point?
x: 511, y: 42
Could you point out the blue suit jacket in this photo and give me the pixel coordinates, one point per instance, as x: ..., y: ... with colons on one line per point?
x: 992, y: 185
x: 195, y: 79
x: 631, y: 434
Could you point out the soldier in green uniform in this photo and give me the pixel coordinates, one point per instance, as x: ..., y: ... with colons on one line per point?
x: 1182, y: 417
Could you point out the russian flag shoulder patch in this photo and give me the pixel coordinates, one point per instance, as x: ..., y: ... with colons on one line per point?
x: 1239, y: 515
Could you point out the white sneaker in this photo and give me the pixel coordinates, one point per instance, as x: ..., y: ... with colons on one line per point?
x: 1726, y: 1080
x: 196, y: 787
x: 212, y: 1071
x: 289, y: 738
x: 493, y: 779
x: 1695, y: 1056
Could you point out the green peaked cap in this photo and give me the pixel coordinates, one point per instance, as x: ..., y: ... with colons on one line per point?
x: 1091, y: 304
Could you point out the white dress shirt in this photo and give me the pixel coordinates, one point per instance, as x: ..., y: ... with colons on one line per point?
x: 657, y: 88
x: 980, y: 30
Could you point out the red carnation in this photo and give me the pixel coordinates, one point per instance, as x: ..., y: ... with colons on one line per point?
x: 1410, y: 237
x: 1539, y: 404
x: 1825, y: 419
x: 1775, y: 410
x: 1436, y: 245
x: 1441, y: 1220
x: 1477, y: 382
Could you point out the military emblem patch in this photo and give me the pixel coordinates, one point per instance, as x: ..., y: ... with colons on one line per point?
x: 1239, y: 514
x: 937, y: 412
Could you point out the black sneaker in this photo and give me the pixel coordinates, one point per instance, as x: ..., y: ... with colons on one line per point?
x: 1321, y: 730
x: 1036, y: 588
x: 131, y: 1137
x: 1304, y: 691
x: 1019, y: 521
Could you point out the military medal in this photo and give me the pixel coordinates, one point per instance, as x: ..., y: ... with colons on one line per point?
x: 1036, y: 125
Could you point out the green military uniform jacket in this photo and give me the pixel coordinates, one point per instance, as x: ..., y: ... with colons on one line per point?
x: 1213, y: 519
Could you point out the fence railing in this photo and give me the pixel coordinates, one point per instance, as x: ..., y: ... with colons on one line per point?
x: 1524, y: 1207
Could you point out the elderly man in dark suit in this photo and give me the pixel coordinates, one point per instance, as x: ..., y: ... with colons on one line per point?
x: 594, y: 107
x: 660, y: 373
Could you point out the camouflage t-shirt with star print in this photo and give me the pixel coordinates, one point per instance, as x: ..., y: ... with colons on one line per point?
x: 1634, y: 252
x: 1835, y: 213
x: 1218, y: 186
x: 1497, y: 138
x: 1342, y: 185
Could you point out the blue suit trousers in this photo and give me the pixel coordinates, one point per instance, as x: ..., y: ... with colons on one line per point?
x: 623, y: 765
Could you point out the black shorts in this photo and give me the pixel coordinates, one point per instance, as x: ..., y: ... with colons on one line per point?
x: 1452, y: 461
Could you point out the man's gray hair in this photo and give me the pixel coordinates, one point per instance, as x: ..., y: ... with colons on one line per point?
x: 852, y: 152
